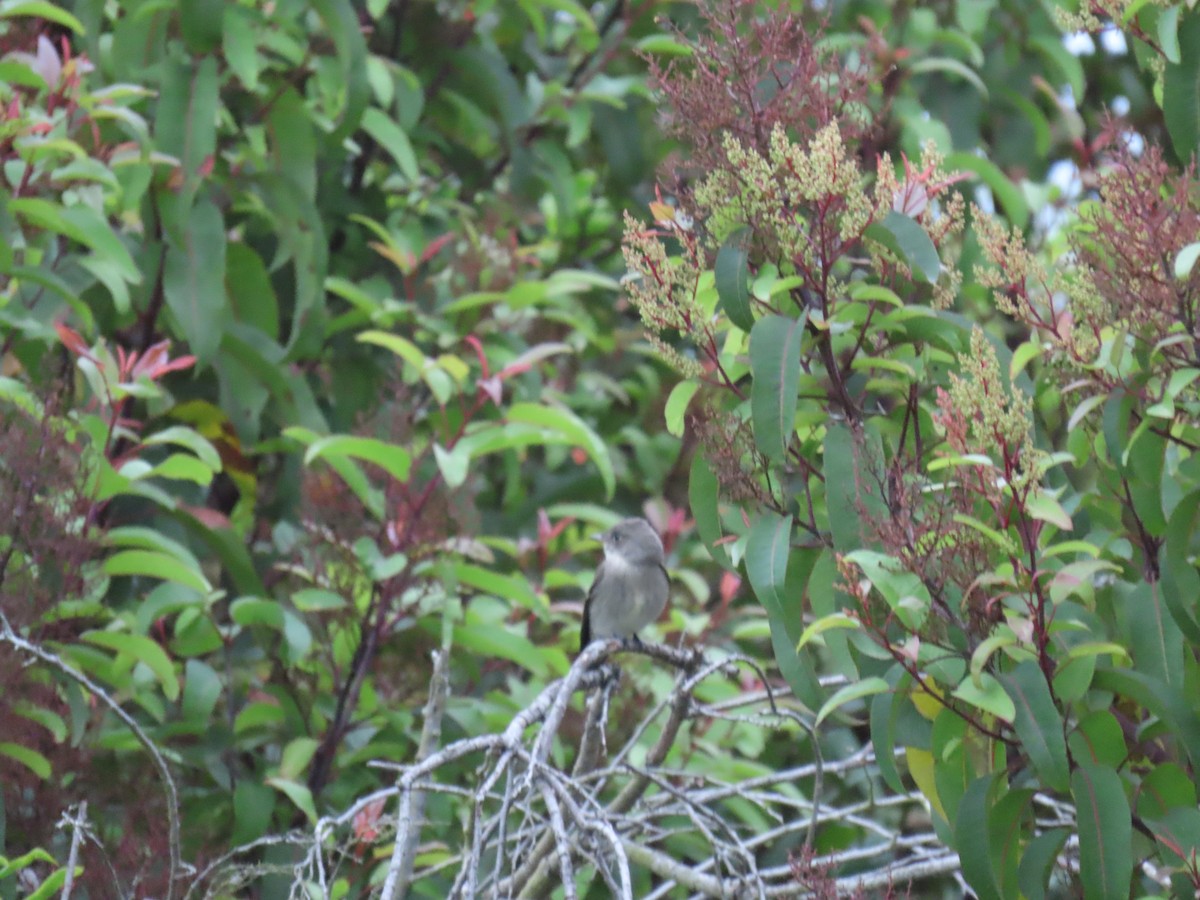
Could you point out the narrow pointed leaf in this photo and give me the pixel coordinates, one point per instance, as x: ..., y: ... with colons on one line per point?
x: 775, y: 365
x: 1105, y: 833
x: 903, y: 236
x: 733, y: 279
x: 1038, y: 724
x: 768, y: 549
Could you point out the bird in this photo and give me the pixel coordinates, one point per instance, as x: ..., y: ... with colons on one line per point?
x: 631, y: 584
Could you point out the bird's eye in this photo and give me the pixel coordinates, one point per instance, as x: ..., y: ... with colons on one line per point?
x: 617, y: 538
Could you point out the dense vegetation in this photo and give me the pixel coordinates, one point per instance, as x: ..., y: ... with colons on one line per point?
x: 331, y: 330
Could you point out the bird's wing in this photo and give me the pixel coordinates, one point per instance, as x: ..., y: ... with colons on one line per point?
x: 585, y: 633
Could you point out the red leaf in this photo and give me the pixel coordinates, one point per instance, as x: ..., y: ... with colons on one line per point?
x: 477, y: 346
x: 730, y: 585
x: 73, y: 341
x: 435, y: 245
x: 212, y: 519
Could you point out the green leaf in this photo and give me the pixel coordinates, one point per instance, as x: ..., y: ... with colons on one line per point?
x: 342, y: 26
x: 885, y: 710
x: 775, y: 365
x: 11, y: 866
x: 1180, y: 580
x: 847, y: 466
x: 1105, y: 833
x: 317, y: 600
x: 201, y: 24
x: 48, y: 719
x: 1023, y: 355
x: 250, y: 611
x: 951, y: 747
x: 733, y: 278
x: 41, y: 9
x: 296, y: 756
x: 1002, y: 541
x: 662, y: 44
x: 972, y: 836
x: 1163, y: 700
x: 903, y: 236
x: 30, y: 759
x: 677, y: 403
x: 951, y: 66
x: 703, y: 497
x: 253, y: 805
x: 1006, y: 837
x: 394, y: 460
x: 141, y: 537
x: 232, y: 552
x: 293, y: 143
x: 867, y: 687
x: 1038, y: 724
x: 186, y: 123
x: 1167, y: 786
x: 768, y: 552
x: 485, y: 640
x: 202, y: 689
x: 153, y: 564
x: 82, y: 225
x: 1067, y: 63
x: 513, y: 588
x: 826, y: 623
x: 52, y: 886
x: 1098, y: 738
x: 194, y: 280
x: 392, y: 138
x: 441, y: 376
x: 1181, y: 90
x: 300, y: 795
x: 1039, y: 861
x: 453, y: 464
x: 184, y: 436
x: 95, y: 232
x: 142, y: 649
x: 1168, y: 33
x: 903, y: 591
x: 1179, y: 833
x: 179, y: 467
x: 1002, y: 637
x: 568, y: 428
x: 1044, y: 507
x: 1156, y: 641
x: 988, y: 695
x: 240, y: 47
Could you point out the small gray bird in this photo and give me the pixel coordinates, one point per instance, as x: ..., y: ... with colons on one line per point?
x: 631, y: 584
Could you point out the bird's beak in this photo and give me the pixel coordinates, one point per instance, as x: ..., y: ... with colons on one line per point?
x: 598, y: 537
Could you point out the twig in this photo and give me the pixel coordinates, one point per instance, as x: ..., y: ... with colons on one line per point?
x: 77, y: 822
x: 412, y: 800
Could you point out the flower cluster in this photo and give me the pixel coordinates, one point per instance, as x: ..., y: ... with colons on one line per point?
x: 981, y: 416
x: 1116, y: 291
x: 749, y: 73
x: 664, y: 289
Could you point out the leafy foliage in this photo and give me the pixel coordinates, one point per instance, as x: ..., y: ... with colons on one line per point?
x: 1010, y: 551
x: 321, y: 354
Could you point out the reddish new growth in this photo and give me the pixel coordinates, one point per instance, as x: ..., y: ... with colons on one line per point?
x: 1147, y: 214
x: 750, y: 72
x: 1119, y: 277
